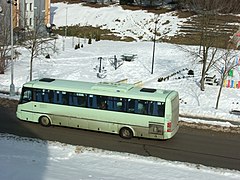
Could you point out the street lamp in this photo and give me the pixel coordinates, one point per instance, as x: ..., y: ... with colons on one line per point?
x: 12, y: 87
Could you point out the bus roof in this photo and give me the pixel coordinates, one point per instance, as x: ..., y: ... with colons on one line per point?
x: 102, y: 88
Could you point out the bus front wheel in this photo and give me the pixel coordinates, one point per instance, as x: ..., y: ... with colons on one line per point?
x: 45, y: 121
x: 126, y: 133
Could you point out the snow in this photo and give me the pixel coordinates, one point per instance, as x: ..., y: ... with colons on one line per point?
x: 83, y: 64
x: 135, y: 24
x: 52, y: 160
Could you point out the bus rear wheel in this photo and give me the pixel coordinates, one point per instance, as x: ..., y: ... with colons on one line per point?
x: 126, y: 133
x: 44, y: 121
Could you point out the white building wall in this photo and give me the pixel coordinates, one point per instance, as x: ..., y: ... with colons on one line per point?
x: 29, y: 13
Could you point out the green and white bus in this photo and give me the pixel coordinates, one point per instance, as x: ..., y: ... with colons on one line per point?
x: 119, y: 108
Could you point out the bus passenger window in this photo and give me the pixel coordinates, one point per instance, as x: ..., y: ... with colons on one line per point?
x: 101, y: 102
x: 50, y: 96
x: 110, y: 103
x: 149, y: 107
x: 64, y: 98
x: 57, y: 97
x: 82, y: 100
x: 38, y: 95
x: 119, y: 106
x: 92, y: 101
x: 45, y: 94
x: 155, y: 109
x: 141, y: 107
x: 161, y: 109
x: 131, y: 105
x: 103, y: 105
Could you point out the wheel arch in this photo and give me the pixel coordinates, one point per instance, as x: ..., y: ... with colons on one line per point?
x: 129, y: 127
x: 45, y: 115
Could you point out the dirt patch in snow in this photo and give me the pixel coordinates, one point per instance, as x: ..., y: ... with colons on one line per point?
x: 235, y: 130
x: 8, y: 103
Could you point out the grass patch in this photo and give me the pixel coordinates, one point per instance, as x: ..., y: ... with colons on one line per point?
x: 91, y: 32
x: 94, y: 5
x: 220, y: 41
x: 184, y: 14
x: 155, y: 10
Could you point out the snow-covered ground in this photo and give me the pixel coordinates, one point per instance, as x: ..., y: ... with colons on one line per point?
x: 23, y: 158
x: 83, y: 64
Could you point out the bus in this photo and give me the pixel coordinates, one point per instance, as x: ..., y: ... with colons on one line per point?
x: 119, y: 108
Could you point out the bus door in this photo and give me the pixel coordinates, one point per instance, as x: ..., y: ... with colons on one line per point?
x: 25, y: 107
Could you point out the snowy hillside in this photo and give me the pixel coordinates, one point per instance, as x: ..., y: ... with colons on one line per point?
x: 137, y: 24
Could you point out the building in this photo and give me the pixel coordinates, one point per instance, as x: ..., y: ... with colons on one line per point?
x: 33, y: 14
x: 27, y: 15
x: 5, y: 19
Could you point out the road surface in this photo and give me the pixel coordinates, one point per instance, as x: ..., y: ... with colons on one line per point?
x: 204, y: 147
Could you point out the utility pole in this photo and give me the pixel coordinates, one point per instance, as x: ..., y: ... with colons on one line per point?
x: 12, y: 86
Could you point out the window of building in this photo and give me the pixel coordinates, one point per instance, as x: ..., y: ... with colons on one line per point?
x: 31, y: 7
x: 30, y: 22
x: 26, y: 9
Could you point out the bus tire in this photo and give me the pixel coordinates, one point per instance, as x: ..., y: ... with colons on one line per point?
x: 44, y: 121
x: 126, y: 133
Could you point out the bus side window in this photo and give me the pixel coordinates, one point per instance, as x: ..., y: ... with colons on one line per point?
x: 155, y: 109
x: 92, y: 101
x: 149, y: 107
x: 71, y: 99
x: 57, y: 97
x: 82, y: 100
x: 161, y: 109
x: 45, y: 95
x: 125, y: 104
x: 26, y: 96
x: 118, y: 104
x: 39, y: 95
x: 110, y: 103
x: 141, y: 107
x: 65, y: 99
x: 102, y: 102
x: 77, y: 99
x: 50, y: 96
x: 131, y: 105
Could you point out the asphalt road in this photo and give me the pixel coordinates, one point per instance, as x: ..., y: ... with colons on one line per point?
x: 204, y: 147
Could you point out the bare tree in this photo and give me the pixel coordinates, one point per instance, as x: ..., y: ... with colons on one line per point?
x: 222, y: 6
x: 224, y: 65
x: 36, y: 42
x: 210, y: 32
x: 4, y: 38
x: 209, y: 35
